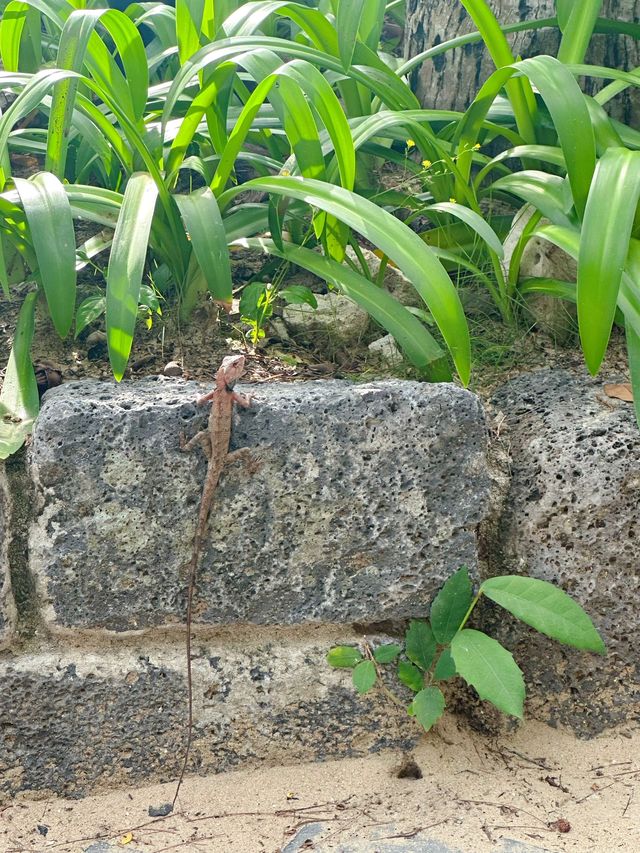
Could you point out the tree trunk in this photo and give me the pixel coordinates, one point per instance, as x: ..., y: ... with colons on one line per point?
x: 451, y: 80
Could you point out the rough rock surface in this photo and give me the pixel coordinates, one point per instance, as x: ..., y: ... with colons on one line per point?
x: 336, y: 321
x: 76, y: 721
x: 386, y: 350
x: 7, y: 608
x: 367, y: 498
x: 393, y: 279
x: 556, y: 317
x: 572, y: 517
x: 388, y: 838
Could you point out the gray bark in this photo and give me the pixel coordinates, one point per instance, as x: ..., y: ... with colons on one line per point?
x: 451, y: 80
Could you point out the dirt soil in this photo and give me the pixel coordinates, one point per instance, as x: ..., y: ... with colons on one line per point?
x: 538, y: 785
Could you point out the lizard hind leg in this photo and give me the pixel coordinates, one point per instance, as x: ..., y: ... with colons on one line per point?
x: 246, y: 454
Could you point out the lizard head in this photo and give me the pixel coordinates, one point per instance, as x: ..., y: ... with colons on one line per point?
x: 231, y: 370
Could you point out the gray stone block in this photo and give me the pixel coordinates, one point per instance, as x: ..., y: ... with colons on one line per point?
x: 572, y: 517
x: 7, y: 606
x: 385, y: 839
x: 74, y: 722
x: 105, y: 847
x: 367, y: 498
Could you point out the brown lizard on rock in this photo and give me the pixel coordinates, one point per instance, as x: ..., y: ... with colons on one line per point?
x: 215, y: 443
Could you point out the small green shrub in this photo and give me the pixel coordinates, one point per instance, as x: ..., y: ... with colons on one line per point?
x: 437, y: 650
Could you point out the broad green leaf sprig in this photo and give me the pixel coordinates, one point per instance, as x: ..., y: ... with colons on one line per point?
x: 437, y: 650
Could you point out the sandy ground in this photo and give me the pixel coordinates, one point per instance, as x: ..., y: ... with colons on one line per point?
x: 539, y: 785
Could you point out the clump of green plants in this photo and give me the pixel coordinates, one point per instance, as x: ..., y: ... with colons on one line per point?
x: 180, y: 132
x: 441, y: 648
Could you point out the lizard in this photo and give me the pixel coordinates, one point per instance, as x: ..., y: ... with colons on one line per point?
x: 214, y: 440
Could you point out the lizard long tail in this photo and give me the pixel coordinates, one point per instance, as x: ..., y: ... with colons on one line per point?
x: 192, y: 572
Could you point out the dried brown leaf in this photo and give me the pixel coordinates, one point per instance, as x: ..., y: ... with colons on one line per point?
x: 620, y: 391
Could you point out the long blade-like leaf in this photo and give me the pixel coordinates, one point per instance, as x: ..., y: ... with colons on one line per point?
x: 519, y: 91
x: 473, y: 220
x: 203, y: 222
x: 48, y: 215
x: 578, y: 25
x: 547, y: 193
x: 632, y: 323
x: 568, y: 108
x: 126, y: 265
x: 604, y: 245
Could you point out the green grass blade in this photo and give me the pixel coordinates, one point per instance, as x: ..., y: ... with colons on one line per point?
x: 473, y: 220
x: 48, y: 215
x: 130, y: 49
x: 415, y: 341
x: 203, y: 99
x: 402, y: 245
x: 250, y: 16
x: 547, y: 193
x: 382, y: 81
x: 126, y: 265
x: 299, y: 127
x: 245, y: 221
x: 358, y: 20
x: 633, y: 352
x: 294, y: 78
x: 71, y: 52
x: 29, y: 99
x: 4, y: 273
x: 323, y: 99
x: 546, y: 608
x: 568, y: 239
x: 203, y: 223
x: 518, y: 91
x: 604, y: 245
x: 19, y: 403
x: 578, y: 23
x: 189, y: 19
x: 348, y: 20
x: 13, y: 22
x: 161, y: 19
x: 81, y: 47
x: 103, y: 134
x: 568, y: 108
x: 541, y: 153
x: 563, y: 11
x: 490, y: 668
x: 632, y: 321
x: 470, y: 38
x: 550, y: 286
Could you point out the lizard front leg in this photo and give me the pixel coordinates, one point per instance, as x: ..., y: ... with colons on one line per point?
x: 203, y: 437
x: 241, y: 400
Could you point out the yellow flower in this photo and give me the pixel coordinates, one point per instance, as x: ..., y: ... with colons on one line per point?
x: 285, y: 173
x: 452, y: 200
x: 427, y: 164
x: 477, y: 146
x: 411, y: 143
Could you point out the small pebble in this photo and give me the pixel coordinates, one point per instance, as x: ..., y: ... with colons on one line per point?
x: 160, y: 811
x: 96, y: 345
x: 172, y: 369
